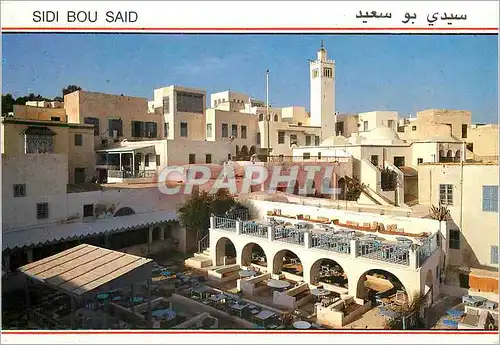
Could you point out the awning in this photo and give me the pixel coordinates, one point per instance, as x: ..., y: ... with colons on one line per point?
x: 64, y: 232
x: 86, y: 269
x: 145, y: 148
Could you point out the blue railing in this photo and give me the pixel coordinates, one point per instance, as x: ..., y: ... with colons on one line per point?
x: 428, y: 247
x: 253, y: 229
x: 289, y: 235
x: 338, y: 244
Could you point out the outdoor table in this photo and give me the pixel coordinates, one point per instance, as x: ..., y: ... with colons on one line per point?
x: 137, y: 299
x: 301, y: 325
x: 320, y: 292
x: 264, y: 315
x: 103, y: 296
x: 278, y: 284
x: 166, y: 314
x: 239, y: 308
x: 247, y: 273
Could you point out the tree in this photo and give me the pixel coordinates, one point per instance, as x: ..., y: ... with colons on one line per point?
x: 408, y: 315
x: 388, y: 179
x: 440, y: 213
x: 195, y: 212
x: 70, y: 89
x: 58, y: 99
x: 7, y: 103
x: 354, y: 188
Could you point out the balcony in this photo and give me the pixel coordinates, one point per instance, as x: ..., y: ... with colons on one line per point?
x: 118, y: 176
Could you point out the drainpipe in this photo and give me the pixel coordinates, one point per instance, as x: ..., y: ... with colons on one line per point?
x: 461, y: 193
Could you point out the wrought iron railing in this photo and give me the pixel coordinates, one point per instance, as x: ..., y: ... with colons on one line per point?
x: 377, y: 250
x: 289, y: 235
x: 130, y: 174
x: 204, y: 243
x: 254, y: 229
x: 338, y: 244
x: 290, y: 159
x: 241, y: 214
x: 428, y: 247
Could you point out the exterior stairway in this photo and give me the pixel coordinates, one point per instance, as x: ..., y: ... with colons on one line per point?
x: 200, y: 260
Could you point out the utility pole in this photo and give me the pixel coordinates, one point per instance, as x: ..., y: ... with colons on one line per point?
x: 268, y: 116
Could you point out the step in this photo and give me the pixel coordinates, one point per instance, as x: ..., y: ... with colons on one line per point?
x: 198, y: 262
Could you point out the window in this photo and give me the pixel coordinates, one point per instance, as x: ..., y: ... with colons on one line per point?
x: 275, y: 117
x: 166, y: 105
x: 464, y: 131
x: 19, y: 190
x: 327, y: 71
x: 192, y: 158
x: 38, y: 140
x: 209, y: 130
x: 184, y: 129
x: 365, y: 126
x: 88, y: 210
x: 319, y: 155
x: 115, y: 125
x: 494, y: 255
x: 55, y: 118
x: 215, y: 103
x: 306, y: 155
x: 137, y: 129
x: 92, y: 121
x: 315, y: 73
x: 420, y: 160
x: 243, y: 132
x: 258, y: 138
x: 281, y: 137
x: 413, y: 128
x: 490, y: 198
x: 167, y: 129
x: 225, y: 133
x: 339, y: 128
x: 316, y: 140
x: 229, y: 156
x: 299, y: 123
x: 390, y: 123
x: 401, y: 129
x: 190, y: 102
x: 146, y: 160
x: 399, y: 161
x: 261, y: 117
x: 78, y: 140
x: 42, y: 210
x: 454, y: 239
x: 79, y: 175
x: 308, y: 140
x: 158, y: 160
x: 446, y: 194
x: 293, y: 139
x: 208, y: 158
x: 374, y: 160
x: 234, y: 131
x: 151, y: 131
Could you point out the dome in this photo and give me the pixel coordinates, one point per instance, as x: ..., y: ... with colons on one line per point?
x: 334, y: 140
x: 381, y: 133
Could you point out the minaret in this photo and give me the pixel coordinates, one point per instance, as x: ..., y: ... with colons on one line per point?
x: 322, y: 79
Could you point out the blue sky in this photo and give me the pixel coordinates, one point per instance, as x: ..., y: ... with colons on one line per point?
x: 405, y: 73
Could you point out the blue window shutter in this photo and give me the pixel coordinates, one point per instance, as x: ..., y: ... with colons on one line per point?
x: 494, y: 198
x: 486, y: 198
x: 494, y: 254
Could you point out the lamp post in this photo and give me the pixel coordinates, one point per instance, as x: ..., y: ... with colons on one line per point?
x: 268, y: 116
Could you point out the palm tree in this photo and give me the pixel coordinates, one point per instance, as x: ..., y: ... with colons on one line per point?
x: 440, y: 212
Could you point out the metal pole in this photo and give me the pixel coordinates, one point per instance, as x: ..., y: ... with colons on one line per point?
x: 268, y: 118
x: 150, y: 312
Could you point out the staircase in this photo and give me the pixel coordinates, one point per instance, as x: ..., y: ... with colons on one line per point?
x: 201, y: 259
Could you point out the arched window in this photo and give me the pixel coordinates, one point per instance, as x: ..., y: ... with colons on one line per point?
x: 261, y: 117
x: 275, y: 117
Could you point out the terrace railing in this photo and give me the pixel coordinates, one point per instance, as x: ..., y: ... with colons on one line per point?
x: 377, y: 250
x: 254, y: 229
x: 428, y: 247
x: 225, y: 223
x: 338, y: 244
x: 289, y: 235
